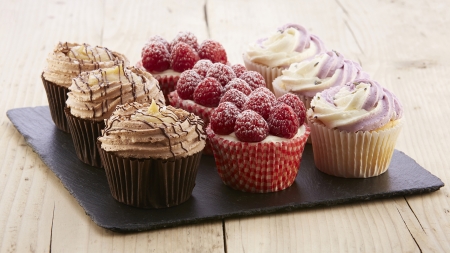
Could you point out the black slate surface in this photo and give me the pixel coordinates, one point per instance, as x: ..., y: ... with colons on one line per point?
x: 211, y: 199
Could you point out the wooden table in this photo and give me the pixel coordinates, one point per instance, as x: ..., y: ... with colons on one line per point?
x: 402, y: 44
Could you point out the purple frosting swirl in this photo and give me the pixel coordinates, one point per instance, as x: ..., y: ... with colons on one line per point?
x: 381, y: 105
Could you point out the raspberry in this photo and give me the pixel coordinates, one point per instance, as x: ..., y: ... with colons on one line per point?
x: 187, y: 83
x: 186, y: 37
x: 223, y: 118
x: 221, y: 72
x: 234, y: 96
x: 238, y: 69
x: 208, y: 92
x: 212, y: 50
x: 266, y: 91
x: 283, y: 121
x: 259, y: 102
x: 240, y: 85
x: 250, y: 127
x: 155, y: 57
x: 183, y: 57
x: 254, y: 79
x: 296, y: 104
x: 160, y: 39
x: 202, y: 66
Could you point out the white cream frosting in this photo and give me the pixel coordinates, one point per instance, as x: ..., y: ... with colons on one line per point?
x: 270, y: 138
x: 323, y: 71
x: 359, y: 106
x: 290, y: 44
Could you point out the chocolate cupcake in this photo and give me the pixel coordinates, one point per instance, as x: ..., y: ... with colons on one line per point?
x: 93, y: 97
x: 151, y: 154
x: 67, y: 61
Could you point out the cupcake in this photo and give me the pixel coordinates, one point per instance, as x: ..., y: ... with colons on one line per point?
x: 354, y: 129
x: 321, y: 72
x: 258, y: 148
x: 200, y: 89
x: 166, y: 61
x: 93, y: 97
x: 151, y: 154
x: 67, y: 61
x: 291, y: 43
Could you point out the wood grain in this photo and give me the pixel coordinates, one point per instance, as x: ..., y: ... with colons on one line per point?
x: 402, y: 44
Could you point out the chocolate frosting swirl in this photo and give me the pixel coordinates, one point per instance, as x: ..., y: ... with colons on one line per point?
x: 134, y: 131
x: 95, y: 94
x: 68, y: 60
x: 361, y: 105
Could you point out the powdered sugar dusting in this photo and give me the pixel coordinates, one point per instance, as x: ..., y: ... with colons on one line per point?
x: 240, y: 85
x: 251, y: 127
x: 221, y: 72
x: 254, y: 79
x: 234, y: 96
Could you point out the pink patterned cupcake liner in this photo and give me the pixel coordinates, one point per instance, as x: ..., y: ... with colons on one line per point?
x: 258, y: 167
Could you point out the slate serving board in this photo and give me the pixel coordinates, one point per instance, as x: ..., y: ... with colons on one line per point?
x: 211, y: 199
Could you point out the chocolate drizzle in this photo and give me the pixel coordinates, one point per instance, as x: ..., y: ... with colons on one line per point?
x: 128, y: 111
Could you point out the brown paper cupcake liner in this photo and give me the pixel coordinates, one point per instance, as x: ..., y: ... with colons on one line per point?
x: 353, y: 155
x: 150, y: 183
x: 57, y: 96
x: 84, y: 135
x: 258, y: 167
x: 269, y: 73
x: 203, y: 112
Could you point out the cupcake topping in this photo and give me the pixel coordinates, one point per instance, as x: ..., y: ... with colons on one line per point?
x: 362, y: 105
x: 262, y: 114
x: 156, y: 114
x: 291, y: 43
x: 95, y: 94
x: 152, y: 131
x: 323, y: 71
x: 181, y: 54
x: 68, y: 60
x: 209, y: 89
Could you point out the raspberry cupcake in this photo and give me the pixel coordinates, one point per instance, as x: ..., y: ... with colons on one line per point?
x: 67, y: 61
x: 151, y: 154
x: 354, y: 129
x: 258, y: 147
x: 93, y: 97
x: 166, y: 61
x: 309, y: 77
x: 291, y: 43
x: 200, y: 89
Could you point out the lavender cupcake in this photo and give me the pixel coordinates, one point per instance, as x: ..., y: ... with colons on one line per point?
x: 354, y: 129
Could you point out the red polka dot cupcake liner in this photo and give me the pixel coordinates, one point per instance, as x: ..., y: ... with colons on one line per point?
x: 258, y: 167
x: 203, y: 112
